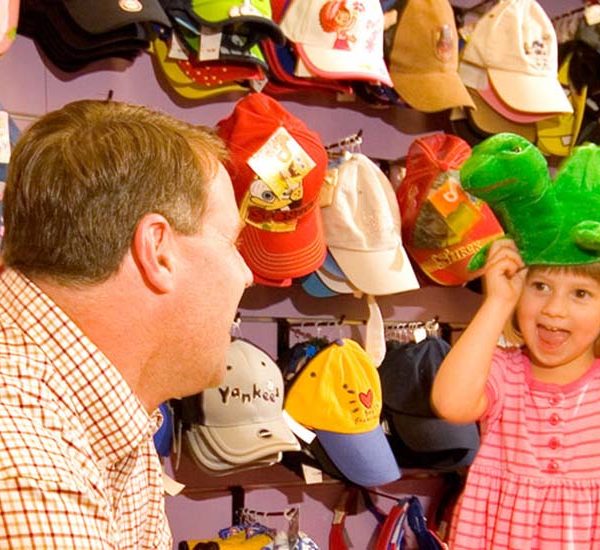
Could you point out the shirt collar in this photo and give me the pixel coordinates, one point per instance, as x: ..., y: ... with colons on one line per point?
x: 113, y: 417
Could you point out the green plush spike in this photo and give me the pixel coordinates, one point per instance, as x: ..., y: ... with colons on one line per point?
x: 553, y: 221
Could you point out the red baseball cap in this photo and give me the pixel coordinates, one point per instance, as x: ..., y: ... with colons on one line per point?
x: 442, y: 225
x: 277, y: 166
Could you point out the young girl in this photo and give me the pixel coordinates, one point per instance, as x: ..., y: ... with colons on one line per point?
x: 535, y: 482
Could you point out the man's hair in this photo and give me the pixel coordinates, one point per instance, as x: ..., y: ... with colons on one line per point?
x: 512, y: 334
x: 82, y: 177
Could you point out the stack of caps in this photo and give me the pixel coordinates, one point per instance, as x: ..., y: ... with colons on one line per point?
x: 74, y: 33
x: 419, y: 438
x: 282, y: 63
x: 337, y: 39
x: 9, y: 17
x: 239, y: 425
x: 442, y: 225
x: 214, y: 48
x: 510, y: 66
x: 337, y: 397
x: 423, y: 57
x: 277, y: 166
x: 361, y: 222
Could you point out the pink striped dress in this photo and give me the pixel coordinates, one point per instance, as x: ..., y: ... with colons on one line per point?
x: 535, y: 482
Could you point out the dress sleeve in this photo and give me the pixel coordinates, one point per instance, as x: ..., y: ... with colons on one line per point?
x: 494, y: 388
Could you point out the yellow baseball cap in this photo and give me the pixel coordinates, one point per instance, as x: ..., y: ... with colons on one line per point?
x: 338, y: 395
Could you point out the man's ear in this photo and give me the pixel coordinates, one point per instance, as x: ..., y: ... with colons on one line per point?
x: 154, y: 253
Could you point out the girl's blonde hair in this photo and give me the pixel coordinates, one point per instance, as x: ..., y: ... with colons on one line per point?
x: 511, y: 333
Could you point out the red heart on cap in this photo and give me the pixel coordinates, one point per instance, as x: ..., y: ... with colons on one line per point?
x: 366, y: 398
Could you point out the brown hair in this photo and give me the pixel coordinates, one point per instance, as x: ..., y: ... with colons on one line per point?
x: 511, y: 332
x: 82, y: 177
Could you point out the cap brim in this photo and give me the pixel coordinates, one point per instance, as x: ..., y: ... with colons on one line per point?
x: 313, y: 285
x: 246, y: 443
x: 286, y: 254
x: 344, y: 65
x: 339, y: 285
x: 434, y: 434
x: 491, y: 121
x: 431, y: 92
x: 204, y: 456
x: 378, y: 272
x: 493, y: 100
x: 365, y: 459
x: 532, y: 94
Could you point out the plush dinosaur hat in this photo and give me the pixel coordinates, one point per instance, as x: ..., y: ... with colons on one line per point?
x: 554, y: 221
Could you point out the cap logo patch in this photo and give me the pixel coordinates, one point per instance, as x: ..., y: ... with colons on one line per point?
x: 273, y: 200
x: 444, y: 43
x: 538, y: 52
x: 131, y: 6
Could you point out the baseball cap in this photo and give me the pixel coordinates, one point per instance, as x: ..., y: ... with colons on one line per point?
x: 476, y: 78
x: 99, y: 17
x: 362, y: 229
x: 250, y: 18
x: 337, y: 394
x: 407, y: 375
x: 517, y: 45
x: 558, y: 135
x: 241, y: 419
x: 424, y: 57
x: 337, y: 39
x: 277, y: 166
x: 443, y: 226
x: 9, y: 17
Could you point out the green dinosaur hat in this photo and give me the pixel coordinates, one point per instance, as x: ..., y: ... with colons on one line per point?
x: 553, y: 221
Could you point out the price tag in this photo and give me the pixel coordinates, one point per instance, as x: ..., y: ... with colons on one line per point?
x: 4, y: 138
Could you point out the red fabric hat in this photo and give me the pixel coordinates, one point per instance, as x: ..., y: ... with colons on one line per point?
x: 442, y: 225
x: 277, y: 166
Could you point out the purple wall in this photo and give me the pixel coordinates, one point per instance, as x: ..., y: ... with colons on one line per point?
x: 29, y: 88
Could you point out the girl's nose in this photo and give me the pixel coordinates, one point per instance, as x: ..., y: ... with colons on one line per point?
x: 554, y: 305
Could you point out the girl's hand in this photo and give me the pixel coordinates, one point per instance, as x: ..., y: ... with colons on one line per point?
x: 504, y: 272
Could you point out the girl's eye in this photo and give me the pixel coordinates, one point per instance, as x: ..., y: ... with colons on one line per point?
x: 580, y: 293
x: 537, y: 285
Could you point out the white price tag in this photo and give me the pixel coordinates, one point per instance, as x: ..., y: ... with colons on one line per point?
x: 592, y: 14
x: 210, y: 44
x: 4, y: 138
x: 312, y: 475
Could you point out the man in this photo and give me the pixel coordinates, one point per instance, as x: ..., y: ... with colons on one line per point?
x: 121, y: 283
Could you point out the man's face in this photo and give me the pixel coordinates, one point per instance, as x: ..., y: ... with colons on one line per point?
x: 213, y: 278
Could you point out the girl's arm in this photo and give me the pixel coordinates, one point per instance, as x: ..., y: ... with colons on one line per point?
x: 458, y: 392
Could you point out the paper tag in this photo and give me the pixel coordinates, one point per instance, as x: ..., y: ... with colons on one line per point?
x: 176, y: 50
x: 419, y: 334
x: 171, y: 486
x: 299, y: 431
x: 210, y: 44
x: 4, y: 138
x: 328, y: 188
x: 282, y: 164
x: 258, y: 84
x: 591, y: 13
x: 311, y: 475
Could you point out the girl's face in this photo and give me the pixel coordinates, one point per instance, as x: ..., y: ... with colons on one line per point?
x: 559, y: 317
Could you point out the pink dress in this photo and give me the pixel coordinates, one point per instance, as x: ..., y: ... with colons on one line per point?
x: 535, y: 482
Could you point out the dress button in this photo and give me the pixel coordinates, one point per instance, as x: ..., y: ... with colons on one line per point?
x: 554, y: 400
x: 553, y: 466
x: 554, y: 443
x: 554, y: 419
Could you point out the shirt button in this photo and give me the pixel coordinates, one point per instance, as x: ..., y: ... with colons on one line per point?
x: 554, y: 443
x: 554, y: 419
x: 553, y: 466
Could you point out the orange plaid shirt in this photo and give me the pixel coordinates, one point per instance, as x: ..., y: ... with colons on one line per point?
x: 78, y: 467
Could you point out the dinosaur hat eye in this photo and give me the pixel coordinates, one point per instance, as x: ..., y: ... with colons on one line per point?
x: 517, y: 149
